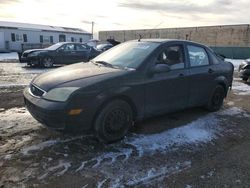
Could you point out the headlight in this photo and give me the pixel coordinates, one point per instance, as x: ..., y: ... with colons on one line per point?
x: 32, y: 54
x: 60, y: 94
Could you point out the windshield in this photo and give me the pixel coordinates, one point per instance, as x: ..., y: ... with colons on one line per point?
x: 127, y: 55
x: 55, y: 46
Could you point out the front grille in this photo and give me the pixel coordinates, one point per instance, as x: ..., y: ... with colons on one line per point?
x: 36, y: 90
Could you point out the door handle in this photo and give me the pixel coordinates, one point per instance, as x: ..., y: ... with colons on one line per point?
x: 210, y: 71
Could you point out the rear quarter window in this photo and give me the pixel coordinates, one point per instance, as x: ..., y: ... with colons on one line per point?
x: 214, y: 58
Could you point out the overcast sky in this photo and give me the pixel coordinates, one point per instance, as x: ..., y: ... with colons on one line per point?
x: 126, y: 14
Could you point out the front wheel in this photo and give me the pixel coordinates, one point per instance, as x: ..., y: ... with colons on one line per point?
x: 47, y: 62
x: 113, y: 121
x: 216, y: 100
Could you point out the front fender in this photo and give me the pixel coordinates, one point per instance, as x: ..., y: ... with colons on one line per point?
x: 127, y: 93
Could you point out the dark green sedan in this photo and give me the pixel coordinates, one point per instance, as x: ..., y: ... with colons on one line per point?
x: 60, y: 53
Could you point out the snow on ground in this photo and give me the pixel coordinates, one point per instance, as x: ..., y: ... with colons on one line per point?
x: 241, y: 88
x: 8, y: 56
x: 235, y: 62
x: 135, y: 152
x: 18, y: 74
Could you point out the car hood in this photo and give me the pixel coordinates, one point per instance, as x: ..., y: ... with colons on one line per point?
x: 34, y: 50
x: 78, y: 71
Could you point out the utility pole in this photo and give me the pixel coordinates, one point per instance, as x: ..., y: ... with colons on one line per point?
x: 92, y: 30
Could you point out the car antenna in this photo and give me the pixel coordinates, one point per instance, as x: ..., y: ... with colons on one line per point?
x: 139, y: 40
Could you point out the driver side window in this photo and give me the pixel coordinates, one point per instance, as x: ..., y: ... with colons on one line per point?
x: 172, y: 56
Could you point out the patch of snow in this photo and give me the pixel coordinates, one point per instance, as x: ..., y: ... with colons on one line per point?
x: 64, y: 165
x: 230, y: 103
x: 40, y: 146
x: 154, y: 174
x: 48, y: 143
x: 16, y: 120
x: 109, y: 158
x: 188, y: 186
x: 6, y: 86
x: 235, y: 62
x: 8, y: 156
x: 231, y: 111
x: 241, y: 88
x: 15, y: 74
x: 8, y: 56
x: 100, y: 184
x: 202, y: 130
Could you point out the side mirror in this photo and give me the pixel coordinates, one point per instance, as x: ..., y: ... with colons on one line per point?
x: 160, y: 68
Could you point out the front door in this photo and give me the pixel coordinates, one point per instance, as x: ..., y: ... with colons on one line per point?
x: 168, y: 91
x: 67, y: 54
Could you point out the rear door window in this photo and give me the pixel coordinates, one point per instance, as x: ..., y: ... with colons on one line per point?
x: 197, y: 56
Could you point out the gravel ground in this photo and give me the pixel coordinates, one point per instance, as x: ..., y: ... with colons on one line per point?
x: 191, y: 148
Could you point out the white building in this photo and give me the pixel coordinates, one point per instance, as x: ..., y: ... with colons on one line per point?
x: 20, y: 36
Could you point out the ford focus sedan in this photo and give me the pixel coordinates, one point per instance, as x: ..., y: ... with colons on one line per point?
x: 130, y: 82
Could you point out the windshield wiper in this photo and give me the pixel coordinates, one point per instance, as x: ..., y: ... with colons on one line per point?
x: 105, y: 64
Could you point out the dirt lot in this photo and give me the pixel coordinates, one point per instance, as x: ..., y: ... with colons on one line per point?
x: 191, y: 148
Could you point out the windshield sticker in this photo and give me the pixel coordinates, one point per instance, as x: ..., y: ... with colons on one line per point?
x: 141, y: 47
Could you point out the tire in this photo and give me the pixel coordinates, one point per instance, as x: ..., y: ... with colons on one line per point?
x: 113, y: 121
x: 47, y: 62
x: 216, y: 100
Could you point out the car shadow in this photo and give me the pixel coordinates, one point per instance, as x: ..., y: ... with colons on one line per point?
x: 168, y: 121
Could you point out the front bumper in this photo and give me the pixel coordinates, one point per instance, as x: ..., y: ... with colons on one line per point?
x: 30, y: 60
x: 55, y: 114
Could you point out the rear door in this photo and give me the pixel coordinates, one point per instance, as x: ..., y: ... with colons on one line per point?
x: 82, y: 52
x: 202, y: 75
x: 168, y: 91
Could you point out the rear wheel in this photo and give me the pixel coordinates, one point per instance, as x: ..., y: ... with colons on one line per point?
x: 47, y: 62
x: 114, y: 121
x: 216, y: 100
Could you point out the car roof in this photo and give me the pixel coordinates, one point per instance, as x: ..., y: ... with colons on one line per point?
x: 157, y: 40
x: 69, y: 43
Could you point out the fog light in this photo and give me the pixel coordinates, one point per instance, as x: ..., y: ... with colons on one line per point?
x: 74, y: 112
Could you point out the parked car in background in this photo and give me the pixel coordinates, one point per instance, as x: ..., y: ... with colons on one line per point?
x: 60, y: 53
x: 103, y: 47
x: 130, y: 82
x: 244, y: 70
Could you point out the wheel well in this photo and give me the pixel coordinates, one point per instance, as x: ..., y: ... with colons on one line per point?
x: 224, y: 87
x: 120, y: 97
